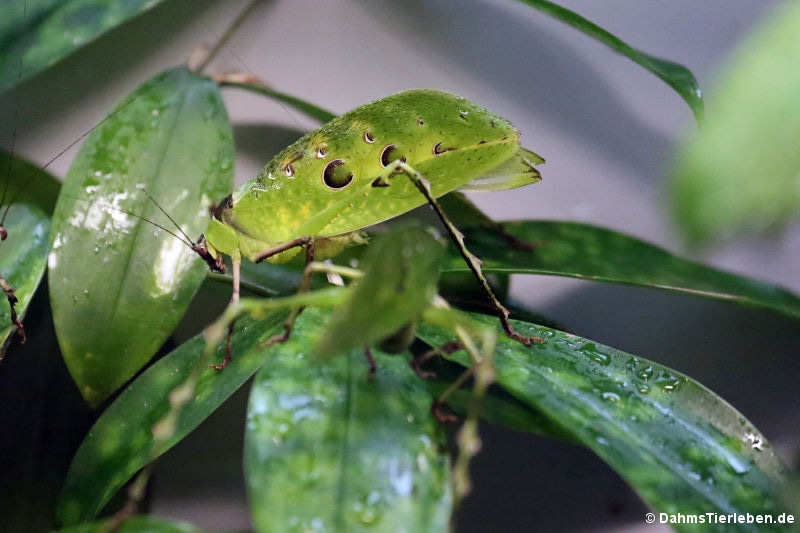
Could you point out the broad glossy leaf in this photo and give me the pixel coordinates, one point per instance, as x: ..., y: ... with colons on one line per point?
x: 401, y: 269
x: 588, y: 252
x: 741, y: 171
x: 680, y: 446
x: 135, y: 524
x: 676, y: 76
x: 121, y: 441
x: 330, y: 448
x: 119, y: 286
x: 35, y: 34
x: 31, y: 194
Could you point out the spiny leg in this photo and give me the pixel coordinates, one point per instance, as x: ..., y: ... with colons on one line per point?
x: 305, y: 285
x: 306, y: 242
x: 472, y: 261
x: 370, y: 361
x: 236, y: 263
x: 12, y: 302
x: 419, y: 360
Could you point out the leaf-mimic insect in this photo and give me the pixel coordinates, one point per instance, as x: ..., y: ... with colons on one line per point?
x: 369, y: 165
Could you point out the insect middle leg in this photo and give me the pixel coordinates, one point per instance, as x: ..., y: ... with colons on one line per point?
x: 474, y: 263
x: 12, y: 302
x: 305, y: 285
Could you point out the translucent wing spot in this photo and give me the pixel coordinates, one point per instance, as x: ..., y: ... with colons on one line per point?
x: 438, y: 150
x: 368, y: 138
x: 288, y: 169
x: 379, y: 182
x: 420, y: 122
x: 321, y: 152
x: 336, y: 175
x: 462, y: 115
x: 390, y: 154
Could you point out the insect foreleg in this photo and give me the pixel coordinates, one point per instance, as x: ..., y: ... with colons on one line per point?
x: 471, y: 259
x: 236, y: 266
x: 308, y: 244
x: 12, y: 301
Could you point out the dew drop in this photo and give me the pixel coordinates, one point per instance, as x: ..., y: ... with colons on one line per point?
x: 590, y: 350
x: 612, y: 397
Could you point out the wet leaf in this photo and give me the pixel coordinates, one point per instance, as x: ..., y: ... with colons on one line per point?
x: 680, y: 446
x: 35, y: 34
x: 121, y: 441
x: 135, y: 524
x: 31, y: 194
x: 118, y: 285
x: 676, y: 76
x: 401, y: 269
x: 740, y: 173
x: 330, y: 448
x: 588, y: 252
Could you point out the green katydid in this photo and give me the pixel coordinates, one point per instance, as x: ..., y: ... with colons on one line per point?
x: 320, y: 191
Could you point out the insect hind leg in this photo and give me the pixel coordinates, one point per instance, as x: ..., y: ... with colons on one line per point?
x: 12, y: 302
x: 473, y: 262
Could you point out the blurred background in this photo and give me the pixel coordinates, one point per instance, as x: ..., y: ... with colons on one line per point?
x: 607, y: 129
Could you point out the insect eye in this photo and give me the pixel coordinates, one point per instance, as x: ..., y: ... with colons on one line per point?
x: 336, y: 174
x: 390, y: 154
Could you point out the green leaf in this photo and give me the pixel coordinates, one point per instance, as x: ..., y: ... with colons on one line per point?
x: 401, y: 269
x: 676, y: 76
x: 30, y: 193
x: 680, y: 446
x: 119, y: 286
x: 307, y: 108
x: 741, y: 171
x: 135, y: 524
x: 588, y: 252
x: 26, y: 183
x: 121, y: 441
x: 330, y: 448
x: 35, y: 34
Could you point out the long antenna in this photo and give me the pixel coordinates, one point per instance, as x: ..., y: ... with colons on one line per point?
x: 156, y: 224
x: 226, y: 36
x: 166, y: 214
x: 187, y: 242
x: 59, y: 154
x: 13, y: 134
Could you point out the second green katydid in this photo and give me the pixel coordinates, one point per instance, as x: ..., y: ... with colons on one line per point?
x: 320, y: 191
